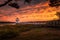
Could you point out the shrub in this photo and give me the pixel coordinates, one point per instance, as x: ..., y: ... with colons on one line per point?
x: 8, y: 33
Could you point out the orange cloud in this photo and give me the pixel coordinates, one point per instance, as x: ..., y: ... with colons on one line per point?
x: 38, y: 12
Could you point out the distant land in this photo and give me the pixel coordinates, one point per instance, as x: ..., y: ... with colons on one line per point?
x: 33, y: 21
x: 49, y: 23
x: 6, y: 22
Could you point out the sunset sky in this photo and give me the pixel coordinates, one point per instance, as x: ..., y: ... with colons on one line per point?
x: 38, y: 10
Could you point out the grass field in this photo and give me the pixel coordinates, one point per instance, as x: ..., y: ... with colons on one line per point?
x: 28, y: 32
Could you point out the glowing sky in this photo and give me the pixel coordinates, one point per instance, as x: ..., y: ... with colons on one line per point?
x: 38, y: 10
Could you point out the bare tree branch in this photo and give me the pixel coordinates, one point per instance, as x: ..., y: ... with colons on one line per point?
x: 54, y: 3
x: 1, y: 5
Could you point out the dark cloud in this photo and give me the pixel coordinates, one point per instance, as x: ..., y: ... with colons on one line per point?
x: 21, y: 2
x: 38, y: 1
x: 8, y: 11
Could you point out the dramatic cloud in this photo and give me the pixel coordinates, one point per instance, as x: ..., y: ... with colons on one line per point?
x: 38, y: 10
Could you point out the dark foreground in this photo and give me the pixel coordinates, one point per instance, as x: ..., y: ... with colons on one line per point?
x: 29, y: 32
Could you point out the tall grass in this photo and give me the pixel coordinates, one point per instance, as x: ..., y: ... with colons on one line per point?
x: 28, y: 32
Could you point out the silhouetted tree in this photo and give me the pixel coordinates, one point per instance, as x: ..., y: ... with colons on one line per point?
x: 27, y: 1
x: 1, y: 5
x: 54, y: 3
x: 58, y: 14
x: 15, y: 5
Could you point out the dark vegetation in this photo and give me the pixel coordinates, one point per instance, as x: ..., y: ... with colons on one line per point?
x: 14, y: 5
x: 1, y: 5
x: 9, y: 2
x: 54, y: 3
x: 7, y: 22
x: 28, y: 1
x: 28, y: 32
